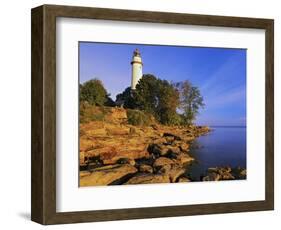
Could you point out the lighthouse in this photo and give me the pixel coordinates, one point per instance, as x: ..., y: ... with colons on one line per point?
x: 136, y: 68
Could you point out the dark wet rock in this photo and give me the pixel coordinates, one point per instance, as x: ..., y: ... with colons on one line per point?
x: 171, y: 135
x: 145, y: 160
x: 161, y: 149
x: 239, y: 173
x: 225, y: 173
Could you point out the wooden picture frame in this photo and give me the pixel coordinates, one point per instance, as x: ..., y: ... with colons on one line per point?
x: 43, y: 207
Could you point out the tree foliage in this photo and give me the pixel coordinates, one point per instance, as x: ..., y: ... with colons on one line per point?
x: 170, y: 104
x: 157, y: 97
x: 190, y: 101
x: 126, y: 99
x: 94, y: 93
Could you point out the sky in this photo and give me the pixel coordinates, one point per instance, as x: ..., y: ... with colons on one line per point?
x: 219, y: 73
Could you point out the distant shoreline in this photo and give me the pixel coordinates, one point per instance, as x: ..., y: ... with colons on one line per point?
x: 227, y: 126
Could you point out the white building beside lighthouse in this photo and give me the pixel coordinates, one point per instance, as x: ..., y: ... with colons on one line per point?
x: 136, y: 68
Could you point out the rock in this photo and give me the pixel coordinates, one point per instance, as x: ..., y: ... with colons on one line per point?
x: 183, y: 179
x: 155, y: 149
x: 169, y: 140
x: 225, y: 173
x: 184, y: 147
x: 84, y: 173
x: 161, y: 161
x: 162, y: 150
x: 85, y: 144
x: 159, y: 141
x: 105, y: 150
x: 243, y: 173
x: 136, y: 131
x: 148, y: 179
x: 172, y: 150
x: 126, y: 161
x: 227, y: 176
x: 175, y: 137
x: 82, y: 158
x: 113, y: 157
x: 155, y: 127
x: 164, y: 168
x: 239, y: 173
x: 109, y: 143
x: 118, y: 130
x: 107, y: 175
x: 96, y: 132
x: 132, y: 162
x: 184, y: 158
x: 174, y: 172
x: 212, y: 177
x: 146, y: 168
x: 145, y: 160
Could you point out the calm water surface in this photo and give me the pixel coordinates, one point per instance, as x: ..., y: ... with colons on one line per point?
x: 223, y: 146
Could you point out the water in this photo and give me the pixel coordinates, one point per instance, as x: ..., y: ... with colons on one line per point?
x: 223, y: 146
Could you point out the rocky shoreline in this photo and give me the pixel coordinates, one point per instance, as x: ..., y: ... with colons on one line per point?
x: 113, y: 152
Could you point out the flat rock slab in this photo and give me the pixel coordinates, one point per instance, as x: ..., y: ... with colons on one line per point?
x: 148, y: 179
x: 107, y: 175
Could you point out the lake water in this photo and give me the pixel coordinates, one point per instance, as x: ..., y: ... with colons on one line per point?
x: 223, y: 146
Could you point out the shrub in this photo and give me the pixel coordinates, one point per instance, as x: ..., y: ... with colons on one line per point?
x: 91, y: 113
x: 139, y: 118
x: 93, y: 92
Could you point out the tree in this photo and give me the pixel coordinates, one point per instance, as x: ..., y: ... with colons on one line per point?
x: 126, y: 99
x: 146, y: 94
x: 190, y: 101
x: 93, y: 92
x: 109, y: 101
x: 157, y: 97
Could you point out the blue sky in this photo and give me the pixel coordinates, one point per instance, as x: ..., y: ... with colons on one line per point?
x: 219, y: 73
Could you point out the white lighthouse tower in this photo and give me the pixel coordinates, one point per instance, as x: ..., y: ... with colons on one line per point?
x: 136, y: 68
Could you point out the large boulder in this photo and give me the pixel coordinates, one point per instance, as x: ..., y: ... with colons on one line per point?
x: 174, y: 172
x: 107, y: 175
x: 162, y: 161
x: 162, y: 149
x: 184, y: 158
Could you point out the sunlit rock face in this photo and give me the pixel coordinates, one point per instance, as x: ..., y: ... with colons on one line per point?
x: 114, y: 152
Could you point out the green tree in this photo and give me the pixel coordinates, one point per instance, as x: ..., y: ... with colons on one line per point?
x: 126, y: 99
x: 93, y: 92
x: 190, y: 101
x: 157, y: 97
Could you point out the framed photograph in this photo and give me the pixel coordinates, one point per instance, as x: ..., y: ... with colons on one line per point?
x: 140, y: 114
